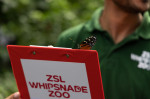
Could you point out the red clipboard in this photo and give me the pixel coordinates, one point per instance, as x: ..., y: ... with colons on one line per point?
x: 56, y: 73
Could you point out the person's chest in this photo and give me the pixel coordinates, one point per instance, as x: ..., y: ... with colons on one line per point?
x: 125, y: 67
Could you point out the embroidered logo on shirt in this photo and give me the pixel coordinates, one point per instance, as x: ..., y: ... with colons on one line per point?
x: 143, y: 60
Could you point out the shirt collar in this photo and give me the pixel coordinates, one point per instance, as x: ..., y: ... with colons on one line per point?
x: 93, y: 24
x: 143, y: 30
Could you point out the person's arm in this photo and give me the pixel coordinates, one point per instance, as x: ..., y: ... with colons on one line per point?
x: 14, y: 96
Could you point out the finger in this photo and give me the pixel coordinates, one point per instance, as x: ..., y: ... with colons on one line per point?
x: 14, y: 96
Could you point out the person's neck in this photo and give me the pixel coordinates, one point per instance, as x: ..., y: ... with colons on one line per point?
x: 119, y: 24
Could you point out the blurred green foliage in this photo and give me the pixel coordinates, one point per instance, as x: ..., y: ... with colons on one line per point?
x: 7, y: 84
x: 36, y: 22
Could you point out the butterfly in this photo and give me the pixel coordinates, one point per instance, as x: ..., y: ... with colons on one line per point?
x: 88, y: 43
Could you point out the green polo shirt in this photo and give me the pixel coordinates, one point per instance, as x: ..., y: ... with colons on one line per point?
x: 125, y: 66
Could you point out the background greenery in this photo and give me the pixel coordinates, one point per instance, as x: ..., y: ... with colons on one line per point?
x: 36, y: 22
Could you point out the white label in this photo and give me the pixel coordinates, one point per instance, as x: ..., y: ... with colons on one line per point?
x: 56, y: 80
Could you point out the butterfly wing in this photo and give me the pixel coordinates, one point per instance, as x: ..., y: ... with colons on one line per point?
x: 88, y: 43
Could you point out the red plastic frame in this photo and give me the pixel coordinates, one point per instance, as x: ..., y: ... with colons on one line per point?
x: 89, y: 57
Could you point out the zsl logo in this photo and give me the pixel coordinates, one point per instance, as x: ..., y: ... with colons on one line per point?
x: 143, y: 60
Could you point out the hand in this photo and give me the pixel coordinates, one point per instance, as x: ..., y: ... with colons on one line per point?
x: 14, y: 96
